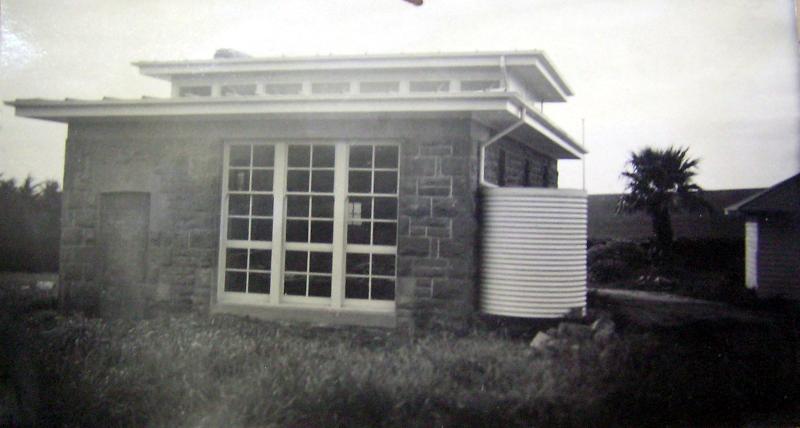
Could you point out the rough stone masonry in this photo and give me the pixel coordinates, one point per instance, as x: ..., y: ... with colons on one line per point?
x: 178, y: 163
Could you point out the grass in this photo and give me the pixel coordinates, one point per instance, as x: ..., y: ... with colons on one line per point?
x: 198, y: 371
x: 187, y: 369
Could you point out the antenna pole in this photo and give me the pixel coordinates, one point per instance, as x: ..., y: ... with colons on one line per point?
x: 583, y: 158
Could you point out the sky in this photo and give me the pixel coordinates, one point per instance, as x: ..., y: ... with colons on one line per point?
x: 719, y: 77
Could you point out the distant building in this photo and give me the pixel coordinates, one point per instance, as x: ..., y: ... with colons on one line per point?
x: 334, y: 189
x: 606, y: 224
x: 772, y: 233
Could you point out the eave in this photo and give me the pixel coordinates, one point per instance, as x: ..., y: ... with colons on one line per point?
x: 781, y: 198
x: 532, y: 66
x: 492, y: 109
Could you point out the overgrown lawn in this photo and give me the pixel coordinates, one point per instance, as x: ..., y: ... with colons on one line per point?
x: 194, y: 370
x: 190, y: 369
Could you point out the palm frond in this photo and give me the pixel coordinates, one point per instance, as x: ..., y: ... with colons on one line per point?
x: 661, y: 179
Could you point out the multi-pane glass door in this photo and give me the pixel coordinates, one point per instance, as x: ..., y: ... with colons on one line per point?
x: 310, y: 224
x: 248, y: 218
x: 371, y: 224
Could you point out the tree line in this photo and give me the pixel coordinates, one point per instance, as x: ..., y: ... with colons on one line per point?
x: 30, y: 223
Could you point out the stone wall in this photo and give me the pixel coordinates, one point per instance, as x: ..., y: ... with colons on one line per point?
x: 438, y: 232
x: 182, y: 176
x: 179, y: 164
x: 542, y: 171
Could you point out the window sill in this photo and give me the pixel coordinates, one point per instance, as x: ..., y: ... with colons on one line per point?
x: 323, y: 316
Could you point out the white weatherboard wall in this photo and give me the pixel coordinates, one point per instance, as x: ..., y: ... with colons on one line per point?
x: 778, y: 258
x: 533, y: 252
x: 751, y: 254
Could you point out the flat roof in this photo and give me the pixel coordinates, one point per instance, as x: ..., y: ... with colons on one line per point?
x: 532, y: 66
x: 494, y: 109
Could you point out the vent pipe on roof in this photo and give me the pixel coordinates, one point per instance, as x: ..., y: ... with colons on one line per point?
x: 505, y: 72
x: 226, y: 53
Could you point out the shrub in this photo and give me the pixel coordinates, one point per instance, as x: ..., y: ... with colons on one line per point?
x: 30, y: 218
x: 615, y: 260
x: 704, y: 255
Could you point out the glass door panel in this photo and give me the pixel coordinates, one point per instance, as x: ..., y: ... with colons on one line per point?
x: 246, y: 244
x: 309, y: 223
x: 371, y: 243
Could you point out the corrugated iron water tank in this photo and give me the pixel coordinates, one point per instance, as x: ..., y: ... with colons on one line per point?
x: 533, y: 252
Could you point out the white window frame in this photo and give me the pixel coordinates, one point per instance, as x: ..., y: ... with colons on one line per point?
x: 278, y: 245
x: 309, y: 246
x: 234, y: 297
x: 370, y: 249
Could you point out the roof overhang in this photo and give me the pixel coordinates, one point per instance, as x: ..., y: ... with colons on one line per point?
x: 496, y: 110
x: 537, y: 131
x: 783, y: 197
x: 533, y: 67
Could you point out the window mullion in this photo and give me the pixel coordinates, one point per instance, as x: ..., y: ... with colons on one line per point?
x: 278, y: 222
x: 223, y: 223
x: 249, y: 219
x: 339, y: 227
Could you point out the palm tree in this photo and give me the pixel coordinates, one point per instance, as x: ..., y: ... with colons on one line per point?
x: 659, y: 182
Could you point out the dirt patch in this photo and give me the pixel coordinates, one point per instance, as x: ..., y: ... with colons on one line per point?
x: 647, y: 309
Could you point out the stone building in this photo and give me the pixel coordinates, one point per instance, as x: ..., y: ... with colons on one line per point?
x: 385, y: 190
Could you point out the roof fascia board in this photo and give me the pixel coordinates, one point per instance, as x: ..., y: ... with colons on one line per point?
x: 553, y: 74
x: 321, y: 76
x: 166, y: 70
x: 63, y: 111
x: 547, y: 71
x: 438, y: 56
